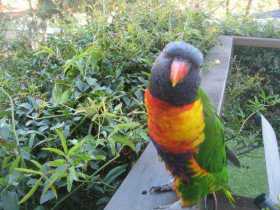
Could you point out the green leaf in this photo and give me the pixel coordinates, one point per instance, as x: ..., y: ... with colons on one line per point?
x: 54, y: 150
x: 31, y: 191
x: 129, y: 125
x: 83, y: 157
x: 99, y: 157
x: 75, y: 148
x: 39, y: 208
x: 25, y: 152
x: 5, y: 131
x: 73, y: 174
x: 56, y: 163
x: 89, y: 138
x: 15, y: 163
x: 125, y: 141
x: 124, y: 126
x: 82, y: 175
x: 37, y: 164
x: 53, y: 189
x: 56, y: 176
x: 69, y: 183
x: 29, y: 171
x: 49, y: 195
x: 70, y: 178
x: 45, y: 50
x: 60, y: 94
x: 9, y: 200
x: 62, y: 138
x: 115, y: 173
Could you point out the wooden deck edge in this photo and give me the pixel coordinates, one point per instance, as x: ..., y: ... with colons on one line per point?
x: 256, y: 42
x: 148, y: 170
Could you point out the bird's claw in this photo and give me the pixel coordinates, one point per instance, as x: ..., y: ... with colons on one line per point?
x: 213, y: 203
x: 161, y: 189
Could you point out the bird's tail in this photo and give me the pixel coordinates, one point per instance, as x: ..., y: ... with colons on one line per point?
x: 229, y: 195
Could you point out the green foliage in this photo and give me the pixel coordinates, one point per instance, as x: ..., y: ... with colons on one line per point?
x: 72, y: 120
x: 78, y: 102
x: 250, y: 180
x: 248, y: 26
x: 252, y: 88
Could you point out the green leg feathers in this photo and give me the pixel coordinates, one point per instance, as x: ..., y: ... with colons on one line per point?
x: 199, y: 187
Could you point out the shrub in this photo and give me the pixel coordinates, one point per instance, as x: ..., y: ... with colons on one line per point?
x: 75, y: 121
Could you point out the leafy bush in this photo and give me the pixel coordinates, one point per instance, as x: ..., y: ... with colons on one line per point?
x: 73, y: 120
x: 252, y: 88
x: 253, y: 83
x: 248, y: 26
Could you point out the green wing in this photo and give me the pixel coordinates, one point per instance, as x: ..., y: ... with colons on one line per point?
x: 214, y: 130
x: 212, y: 154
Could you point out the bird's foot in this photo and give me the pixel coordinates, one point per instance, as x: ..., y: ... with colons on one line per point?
x: 215, y: 201
x: 160, y: 189
x: 163, y: 188
x: 175, y: 206
x: 211, y: 202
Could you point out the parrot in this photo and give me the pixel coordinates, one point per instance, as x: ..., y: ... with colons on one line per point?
x: 184, y: 127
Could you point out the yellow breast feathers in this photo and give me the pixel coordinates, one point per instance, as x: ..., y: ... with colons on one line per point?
x: 176, y: 128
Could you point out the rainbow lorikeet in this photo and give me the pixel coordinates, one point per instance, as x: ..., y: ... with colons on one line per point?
x: 183, y: 125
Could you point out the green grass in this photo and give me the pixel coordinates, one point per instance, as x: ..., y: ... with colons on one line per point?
x: 250, y: 180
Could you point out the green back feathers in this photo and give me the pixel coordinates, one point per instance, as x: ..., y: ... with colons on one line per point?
x: 211, y: 155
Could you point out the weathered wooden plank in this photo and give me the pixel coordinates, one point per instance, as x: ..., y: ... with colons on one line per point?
x: 256, y: 42
x: 148, y: 170
x: 214, y: 80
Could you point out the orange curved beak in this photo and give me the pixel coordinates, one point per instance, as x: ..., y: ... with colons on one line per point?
x: 179, y: 70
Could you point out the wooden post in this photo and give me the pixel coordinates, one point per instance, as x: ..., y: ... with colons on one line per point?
x: 256, y: 42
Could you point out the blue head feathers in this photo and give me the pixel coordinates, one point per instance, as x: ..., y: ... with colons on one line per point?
x: 185, y: 51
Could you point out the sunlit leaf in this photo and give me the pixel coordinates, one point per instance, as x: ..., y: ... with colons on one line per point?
x: 62, y: 138
x: 57, y: 162
x: 37, y: 164
x: 75, y: 148
x: 31, y: 191
x: 124, y: 140
x: 54, y: 150
x: 56, y: 176
x: 29, y: 171
x: 70, y: 178
x: 60, y: 94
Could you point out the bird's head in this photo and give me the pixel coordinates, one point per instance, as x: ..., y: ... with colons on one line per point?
x: 175, y: 73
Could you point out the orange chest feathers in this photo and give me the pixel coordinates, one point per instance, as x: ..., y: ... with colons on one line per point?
x: 177, y: 129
